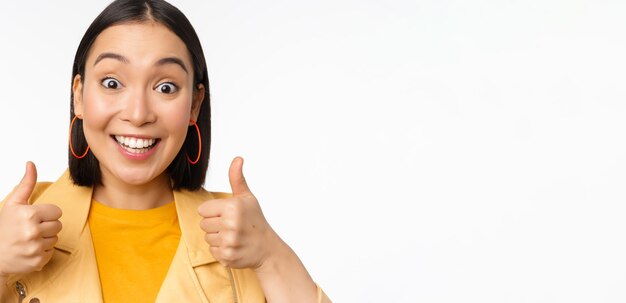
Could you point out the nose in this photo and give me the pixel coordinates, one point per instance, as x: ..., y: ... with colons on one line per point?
x: 138, y: 108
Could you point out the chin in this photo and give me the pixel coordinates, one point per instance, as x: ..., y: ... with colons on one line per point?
x: 136, y: 177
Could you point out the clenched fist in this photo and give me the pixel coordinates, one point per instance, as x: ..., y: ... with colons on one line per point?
x: 236, y: 230
x: 28, y: 233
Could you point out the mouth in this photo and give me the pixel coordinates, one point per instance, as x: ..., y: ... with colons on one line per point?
x: 136, y: 145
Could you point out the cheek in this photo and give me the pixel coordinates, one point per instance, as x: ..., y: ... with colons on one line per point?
x: 177, y: 118
x: 97, y: 109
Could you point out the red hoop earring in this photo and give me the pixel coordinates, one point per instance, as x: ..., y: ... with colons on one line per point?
x: 71, y: 147
x: 199, y: 144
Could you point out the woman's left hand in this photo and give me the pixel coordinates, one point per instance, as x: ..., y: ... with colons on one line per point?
x: 240, y: 237
x: 236, y: 230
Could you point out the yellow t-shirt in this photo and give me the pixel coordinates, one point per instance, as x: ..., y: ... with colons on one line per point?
x: 134, y: 249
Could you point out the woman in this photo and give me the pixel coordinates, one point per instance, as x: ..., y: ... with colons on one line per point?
x: 129, y: 220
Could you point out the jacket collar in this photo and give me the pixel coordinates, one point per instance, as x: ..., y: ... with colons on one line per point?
x: 75, y: 201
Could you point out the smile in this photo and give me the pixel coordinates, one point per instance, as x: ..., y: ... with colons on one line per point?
x: 136, y: 145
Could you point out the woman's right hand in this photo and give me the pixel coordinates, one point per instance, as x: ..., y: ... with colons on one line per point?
x: 28, y: 233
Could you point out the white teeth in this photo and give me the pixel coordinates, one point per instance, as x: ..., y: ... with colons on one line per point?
x: 143, y: 143
x: 135, y: 144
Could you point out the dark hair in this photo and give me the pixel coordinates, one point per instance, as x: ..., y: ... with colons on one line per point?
x: 86, y: 171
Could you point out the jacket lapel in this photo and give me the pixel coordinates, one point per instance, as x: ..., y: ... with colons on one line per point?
x: 187, y: 203
x: 194, y: 273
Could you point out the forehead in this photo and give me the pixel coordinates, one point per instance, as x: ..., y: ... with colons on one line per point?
x: 139, y: 42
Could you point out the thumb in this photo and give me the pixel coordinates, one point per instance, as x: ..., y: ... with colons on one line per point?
x: 21, y: 193
x: 237, y: 180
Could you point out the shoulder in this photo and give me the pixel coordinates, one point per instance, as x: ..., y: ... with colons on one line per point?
x: 199, y: 195
x: 40, y: 188
x: 219, y: 195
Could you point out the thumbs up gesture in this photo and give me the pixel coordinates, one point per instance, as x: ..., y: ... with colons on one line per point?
x: 236, y: 230
x: 28, y: 233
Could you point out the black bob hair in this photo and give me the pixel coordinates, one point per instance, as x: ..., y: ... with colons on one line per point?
x: 183, y: 175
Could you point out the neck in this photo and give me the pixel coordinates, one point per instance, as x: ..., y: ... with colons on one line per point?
x: 117, y: 194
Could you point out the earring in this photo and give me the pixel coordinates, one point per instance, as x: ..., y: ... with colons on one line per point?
x: 199, y: 144
x: 71, y: 147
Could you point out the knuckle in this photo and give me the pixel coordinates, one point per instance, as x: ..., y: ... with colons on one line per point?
x: 54, y: 240
x: 56, y: 213
x: 32, y: 250
x: 31, y: 232
x: 207, y: 238
x: 203, y: 224
x: 41, y: 260
x: 38, y: 264
x: 59, y: 227
x: 230, y: 239
x: 34, y: 262
x: 230, y: 224
x: 232, y: 208
x: 202, y: 209
x: 27, y: 213
x: 229, y: 255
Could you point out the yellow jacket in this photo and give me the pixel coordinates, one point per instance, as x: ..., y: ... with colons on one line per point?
x: 72, y: 273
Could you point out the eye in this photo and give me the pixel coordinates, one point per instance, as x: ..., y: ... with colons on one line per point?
x: 110, y: 83
x: 167, y: 88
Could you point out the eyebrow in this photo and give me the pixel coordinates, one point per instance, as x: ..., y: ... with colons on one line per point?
x: 172, y: 60
x: 161, y: 62
x: 110, y: 56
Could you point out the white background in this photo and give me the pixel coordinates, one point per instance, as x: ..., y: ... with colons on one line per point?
x: 409, y: 151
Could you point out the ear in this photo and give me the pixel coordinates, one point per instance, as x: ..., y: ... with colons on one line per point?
x: 196, y: 103
x: 77, y: 91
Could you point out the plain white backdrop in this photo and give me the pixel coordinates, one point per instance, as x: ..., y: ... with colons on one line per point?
x: 409, y: 151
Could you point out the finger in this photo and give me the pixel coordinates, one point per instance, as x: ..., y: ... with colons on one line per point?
x: 212, y: 208
x: 211, y: 225
x: 214, y: 240
x: 47, y: 255
x: 48, y: 212
x: 50, y: 228
x: 217, y: 253
x: 24, y: 189
x: 48, y: 243
x: 38, y: 262
x: 237, y: 180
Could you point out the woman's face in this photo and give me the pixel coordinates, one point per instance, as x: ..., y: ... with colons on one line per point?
x: 136, y: 100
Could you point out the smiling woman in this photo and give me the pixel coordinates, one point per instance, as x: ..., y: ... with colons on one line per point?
x: 136, y: 90
x: 132, y: 204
